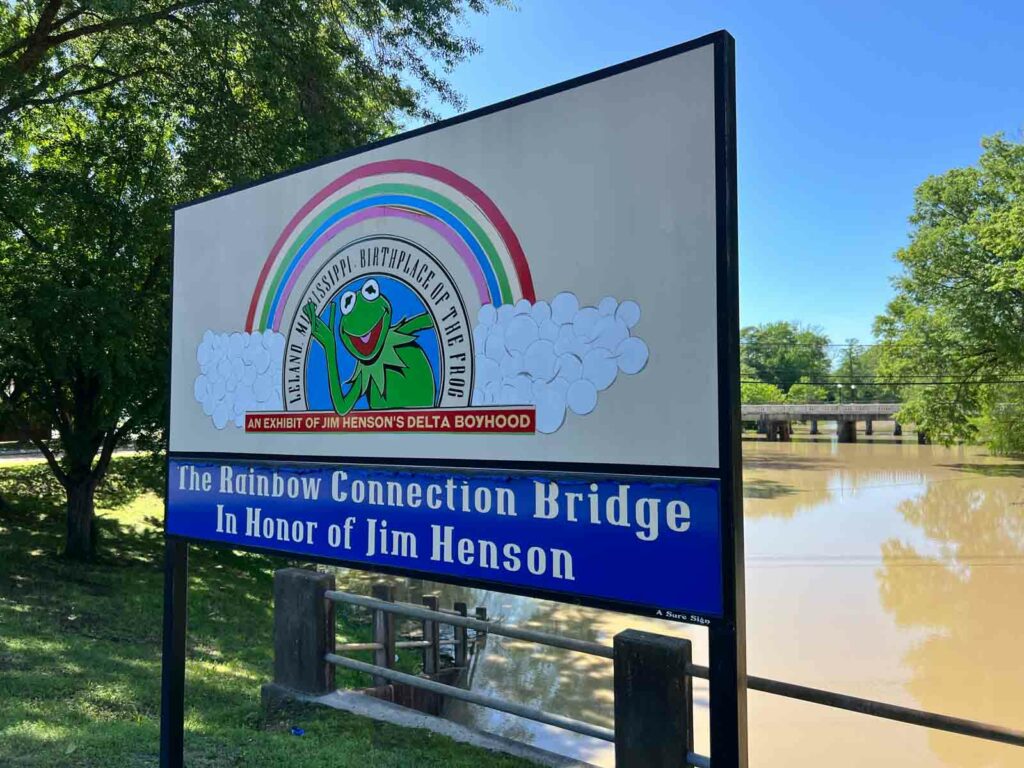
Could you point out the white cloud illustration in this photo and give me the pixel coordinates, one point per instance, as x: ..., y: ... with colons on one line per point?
x: 555, y: 356
x: 239, y: 373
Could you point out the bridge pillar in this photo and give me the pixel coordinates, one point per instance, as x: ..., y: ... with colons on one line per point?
x: 762, y: 425
x: 897, y: 429
x: 778, y: 431
x: 869, y: 427
x: 846, y: 429
x: 814, y: 427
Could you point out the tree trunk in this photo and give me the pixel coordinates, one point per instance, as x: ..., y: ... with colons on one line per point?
x: 81, y: 534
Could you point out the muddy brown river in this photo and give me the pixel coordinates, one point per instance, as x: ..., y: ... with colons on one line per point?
x: 883, y: 569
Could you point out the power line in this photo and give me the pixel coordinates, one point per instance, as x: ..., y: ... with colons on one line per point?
x: 812, y: 345
x: 884, y: 383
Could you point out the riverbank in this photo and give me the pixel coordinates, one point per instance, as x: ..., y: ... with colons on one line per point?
x: 80, y: 648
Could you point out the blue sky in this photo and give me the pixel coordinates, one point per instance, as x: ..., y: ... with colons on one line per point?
x: 843, y: 109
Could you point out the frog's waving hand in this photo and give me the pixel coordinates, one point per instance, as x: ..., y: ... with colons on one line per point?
x: 392, y: 370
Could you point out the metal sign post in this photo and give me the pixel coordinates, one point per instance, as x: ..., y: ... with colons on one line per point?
x: 172, y: 688
x: 500, y: 351
x: 727, y: 637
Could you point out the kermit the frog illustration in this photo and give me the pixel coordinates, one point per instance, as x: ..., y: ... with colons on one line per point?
x: 392, y: 370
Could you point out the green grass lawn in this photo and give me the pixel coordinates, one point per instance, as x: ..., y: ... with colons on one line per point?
x: 80, y: 648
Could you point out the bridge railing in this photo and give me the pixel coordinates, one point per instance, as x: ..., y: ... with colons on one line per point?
x: 647, y: 667
x: 799, y: 411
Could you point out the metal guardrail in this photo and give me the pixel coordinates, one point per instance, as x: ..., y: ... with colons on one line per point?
x: 820, y: 410
x: 520, y: 710
x: 856, y: 704
x: 888, y: 711
x: 417, y: 612
x: 410, y: 610
x: 880, y: 709
x: 548, y: 718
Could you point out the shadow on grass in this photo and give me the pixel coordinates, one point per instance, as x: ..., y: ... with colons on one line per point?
x: 128, y: 478
x: 80, y: 646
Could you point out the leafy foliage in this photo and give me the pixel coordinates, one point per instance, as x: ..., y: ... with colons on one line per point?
x: 385, y: 53
x: 1001, y: 425
x: 111, y: 112
x: 760, y: 393
x: 953, y: 331
x: 782, y: 353
x: 80, y: 649
x: 805, y: 392
x: 857, y: 368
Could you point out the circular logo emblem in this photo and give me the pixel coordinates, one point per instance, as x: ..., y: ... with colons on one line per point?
x: 380, y: 325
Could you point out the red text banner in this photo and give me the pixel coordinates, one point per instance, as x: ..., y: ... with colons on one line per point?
x: 519, y: 420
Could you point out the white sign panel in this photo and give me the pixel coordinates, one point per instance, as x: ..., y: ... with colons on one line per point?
x: 534, y: 284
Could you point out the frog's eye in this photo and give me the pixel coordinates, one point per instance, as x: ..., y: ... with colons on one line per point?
x: 348, y: 301
x: 371, y: 290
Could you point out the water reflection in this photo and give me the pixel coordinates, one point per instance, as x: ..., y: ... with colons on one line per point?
x: 783, y: 480
x: 886, y: 570
x: 967, y: 598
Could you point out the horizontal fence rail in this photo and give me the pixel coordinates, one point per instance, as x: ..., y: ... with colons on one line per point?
x: 491, y: 627
x: 856, y: 704
x: 520, y: 710
x: 548, y: 718
x: 879, y: 709
x: 482, y: 627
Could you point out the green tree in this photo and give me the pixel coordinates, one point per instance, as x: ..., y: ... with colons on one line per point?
x: 806, y: 392
x: 53, y: 51
x: 760, y: 393
x: 953, y: 330
x: 1001, y: 424
x: 754, y: 392
x: 857, y: 373
x: 878, y: 389
x: 112, y: 112
x: 83, y: 334
x: 782, y: 353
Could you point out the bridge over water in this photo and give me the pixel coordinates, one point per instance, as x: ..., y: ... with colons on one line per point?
x: 775, y: 419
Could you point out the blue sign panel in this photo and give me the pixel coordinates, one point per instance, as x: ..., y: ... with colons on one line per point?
x: 640, y: 543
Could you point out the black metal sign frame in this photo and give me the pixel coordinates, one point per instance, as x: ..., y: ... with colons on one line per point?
x: 727, y: 642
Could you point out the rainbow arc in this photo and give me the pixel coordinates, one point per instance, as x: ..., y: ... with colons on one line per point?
x: 411, y: 190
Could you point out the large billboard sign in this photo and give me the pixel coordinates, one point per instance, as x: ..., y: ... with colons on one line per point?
x: 495, y: 351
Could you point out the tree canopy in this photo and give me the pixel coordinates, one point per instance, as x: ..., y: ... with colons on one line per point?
x: 112, y: 112
x: 952, y: 334
x: 857, y: 373
x: 783, y: 353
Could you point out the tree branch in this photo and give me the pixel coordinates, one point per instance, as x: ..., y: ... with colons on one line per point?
x: 70, y: 16
x: 37, y: 442
x: 131, y: 21
x: 42, y: 29
x: 56, y: 99
x: 36, y: 244
x: 55, y: 466
x: 110, y: 440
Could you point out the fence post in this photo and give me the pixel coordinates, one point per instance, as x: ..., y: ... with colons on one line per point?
x: 384, y: 631
x: 461, y: 637
x: 481, y: 614
x: 653, y: 701
x: 303, y: 630
x: 431, y: 633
